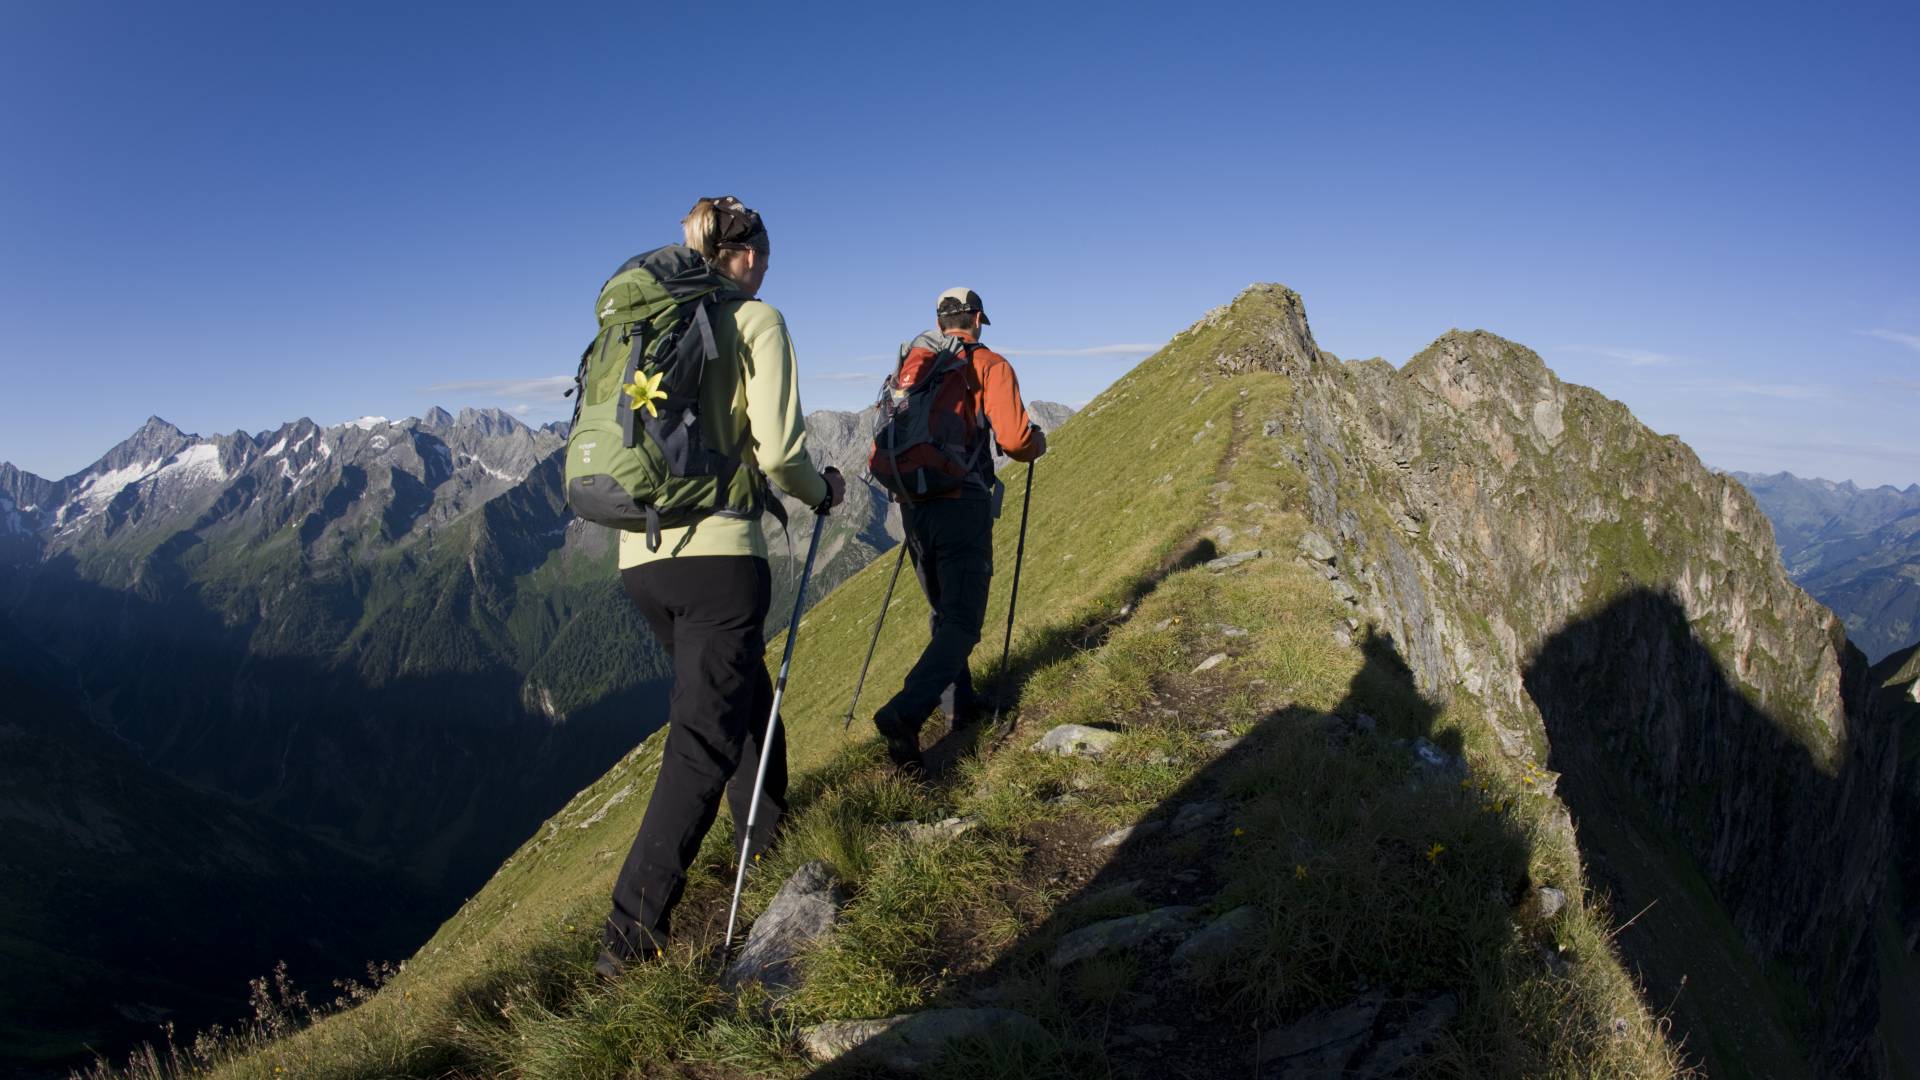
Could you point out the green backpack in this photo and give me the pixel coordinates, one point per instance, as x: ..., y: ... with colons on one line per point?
x: 637, y: 457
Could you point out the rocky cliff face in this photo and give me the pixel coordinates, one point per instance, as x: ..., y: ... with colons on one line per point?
x: 1619, y: 611
x: 1897, y: 684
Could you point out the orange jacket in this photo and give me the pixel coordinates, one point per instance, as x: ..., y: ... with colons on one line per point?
x: 998, y: 397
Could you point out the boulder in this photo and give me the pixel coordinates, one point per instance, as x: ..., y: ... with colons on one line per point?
x: 1228, y: 562
x: 916, y: 1041
x: 1546, y: 902
x: 1436, y: 765
x: 1127, y: 832
x: 952, y: 827
x: 1317, y: 1045
x: 1317, y: 547
x: 1077, y: 740
x: 1405, y: 1038
x: 803, y: 911
x: 1193, y: 815
x: 1127, y: 932
x: 1219, y: 941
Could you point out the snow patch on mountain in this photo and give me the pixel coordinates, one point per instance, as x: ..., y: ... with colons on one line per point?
x: 367, y: 423
x: 99, y: 489
x: 279, y: 447
x: 497, y: 474
x: 200, y: 461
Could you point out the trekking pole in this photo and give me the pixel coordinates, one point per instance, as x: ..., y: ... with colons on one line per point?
x: 885, y: 602
x: 773, y: 723
x: 1019, y: 554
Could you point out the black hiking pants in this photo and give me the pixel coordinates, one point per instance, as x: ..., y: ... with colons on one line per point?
x: 708, y: 611
x: 951, y: 544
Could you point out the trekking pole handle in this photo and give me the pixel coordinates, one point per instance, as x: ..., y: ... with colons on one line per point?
x: 826, y: 504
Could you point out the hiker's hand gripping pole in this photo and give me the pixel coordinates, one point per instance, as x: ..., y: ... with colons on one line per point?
x: 1019, y: 555
x: 773, y: 722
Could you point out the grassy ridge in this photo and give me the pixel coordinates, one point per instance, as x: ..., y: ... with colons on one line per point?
x: 1361, y: 877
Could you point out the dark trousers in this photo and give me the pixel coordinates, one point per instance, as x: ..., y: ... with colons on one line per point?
x: 951, y: 544
x: 708, y: 612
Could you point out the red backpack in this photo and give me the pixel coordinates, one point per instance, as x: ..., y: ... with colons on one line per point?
x: 927, y: 437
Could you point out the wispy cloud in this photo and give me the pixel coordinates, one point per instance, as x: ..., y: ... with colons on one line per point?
x: 1781, y: 391
x: 1912, y: 385
x: 1630, y: 357
x: 544, y: 389
x: 1911, y: 341
x: 1132, y: 348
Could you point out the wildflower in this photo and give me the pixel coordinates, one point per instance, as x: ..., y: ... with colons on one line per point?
x: 1434, y: 852
x: 1300, y: 871
x: 644, y: 390
x: 1237, y: 831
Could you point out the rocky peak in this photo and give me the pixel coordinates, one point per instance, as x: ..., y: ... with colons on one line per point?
x: 23, y: 487
x: 1608, y: 600
x: 436, y: 417
x: 1264, y: 329
x: 488, y: 421
x: 154, y: 441
x: 1469, y: 368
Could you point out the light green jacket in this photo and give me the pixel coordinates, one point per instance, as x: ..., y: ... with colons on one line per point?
x: 750, y: 406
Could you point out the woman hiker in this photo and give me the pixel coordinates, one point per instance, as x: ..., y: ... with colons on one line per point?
x: 705, y: 591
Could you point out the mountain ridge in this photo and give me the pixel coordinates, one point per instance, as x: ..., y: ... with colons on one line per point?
x: 1614, y: 648
x: 389, y: 635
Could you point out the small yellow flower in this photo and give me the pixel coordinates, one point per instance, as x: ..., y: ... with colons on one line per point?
x: 1239, y: 831
x: 1300, y: 871
x: 1434, y: 852
x: 644, y: 390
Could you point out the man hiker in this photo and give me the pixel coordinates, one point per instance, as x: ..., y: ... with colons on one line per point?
x: 948, y: 499
x: 702, y: 582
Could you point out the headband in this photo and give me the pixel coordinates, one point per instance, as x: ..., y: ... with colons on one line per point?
x: 736, y: 227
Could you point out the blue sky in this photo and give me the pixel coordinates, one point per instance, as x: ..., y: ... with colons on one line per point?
x: 234, y: 215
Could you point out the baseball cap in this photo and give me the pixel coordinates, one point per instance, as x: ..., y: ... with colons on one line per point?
x: 961, y: 299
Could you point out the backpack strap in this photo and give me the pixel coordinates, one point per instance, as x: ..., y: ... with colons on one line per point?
x: 627, y: 413
x: 705, y: 327
x: 983, y: 426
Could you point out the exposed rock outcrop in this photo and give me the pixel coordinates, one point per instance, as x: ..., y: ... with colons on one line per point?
x: 1607, y: 602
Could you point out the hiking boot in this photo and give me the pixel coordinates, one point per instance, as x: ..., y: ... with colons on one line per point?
x: 966, y: 717
x: 903, y: 743
x: 618, y: 952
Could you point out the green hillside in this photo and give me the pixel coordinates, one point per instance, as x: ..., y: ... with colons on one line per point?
x: 1370, y: 875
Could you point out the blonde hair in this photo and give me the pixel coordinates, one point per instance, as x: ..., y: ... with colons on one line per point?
x: 701, y: 228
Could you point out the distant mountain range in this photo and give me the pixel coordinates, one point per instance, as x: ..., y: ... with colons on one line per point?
x: 1857, y: 550
x: 380, y: 647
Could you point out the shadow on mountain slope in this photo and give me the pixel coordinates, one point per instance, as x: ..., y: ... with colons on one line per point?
x: 1350, y: 871
x: 416, y: 788
x: 1722, y: 838
x: 1054, y: 643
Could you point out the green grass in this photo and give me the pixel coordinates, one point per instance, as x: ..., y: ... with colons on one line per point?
x: 1362, y: 877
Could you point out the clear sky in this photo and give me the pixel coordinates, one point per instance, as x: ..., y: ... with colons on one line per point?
x: 235, y: 215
